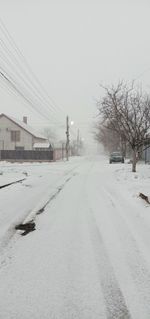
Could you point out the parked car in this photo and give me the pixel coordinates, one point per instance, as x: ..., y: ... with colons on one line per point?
x: 116, y: 157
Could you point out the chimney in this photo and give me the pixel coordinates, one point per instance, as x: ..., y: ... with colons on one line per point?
x: 25, y: 120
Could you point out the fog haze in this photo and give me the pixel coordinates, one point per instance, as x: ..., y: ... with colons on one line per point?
x: 72, y: 46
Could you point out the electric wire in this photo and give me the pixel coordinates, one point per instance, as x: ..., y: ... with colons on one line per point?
x: 37, y: 100
x: 10, y: 60
x: 20, y: 77
x: 17, y: 50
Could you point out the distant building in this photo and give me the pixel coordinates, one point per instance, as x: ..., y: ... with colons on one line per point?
x: 18, y: 135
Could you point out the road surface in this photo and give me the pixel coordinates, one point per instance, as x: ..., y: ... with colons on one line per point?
x: 89, y: 257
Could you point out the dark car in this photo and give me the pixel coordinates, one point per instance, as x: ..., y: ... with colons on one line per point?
x: 116, y: 157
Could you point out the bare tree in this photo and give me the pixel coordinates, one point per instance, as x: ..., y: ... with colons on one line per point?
x: 50, y: 135
x: 110, y: 139
x: 126, y: 110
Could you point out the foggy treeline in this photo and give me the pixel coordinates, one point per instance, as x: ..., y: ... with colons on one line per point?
x: 124, y: 120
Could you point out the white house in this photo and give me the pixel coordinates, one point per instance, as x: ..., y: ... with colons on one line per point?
x: 18, y: 135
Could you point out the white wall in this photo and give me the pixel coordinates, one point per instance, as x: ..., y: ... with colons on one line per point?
x: 26, y: 139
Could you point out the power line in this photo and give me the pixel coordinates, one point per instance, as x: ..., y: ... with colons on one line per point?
x: 19, y: 53
x: 23, y: 80
x: 11, y: 63
x: 11, y: 83
x: 31, y: 91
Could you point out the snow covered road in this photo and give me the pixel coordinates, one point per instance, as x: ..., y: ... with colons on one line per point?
x: 18, y: 200
x: 89, y: 257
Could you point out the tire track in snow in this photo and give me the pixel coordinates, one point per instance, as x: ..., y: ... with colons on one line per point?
x: 101, y: 210
x: 10, y: 237
x: 116, y: 307
x: 53, y: 196
x: 138, y: 221
x: 139, y: 268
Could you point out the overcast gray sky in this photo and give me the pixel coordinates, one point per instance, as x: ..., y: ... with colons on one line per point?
x: 73, y: 45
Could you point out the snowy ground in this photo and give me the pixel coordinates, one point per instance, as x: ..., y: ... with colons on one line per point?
x: 89, y: 257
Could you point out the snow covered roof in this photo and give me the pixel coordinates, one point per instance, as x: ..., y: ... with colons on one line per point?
x: 24, y: 126
x: 41, y: 145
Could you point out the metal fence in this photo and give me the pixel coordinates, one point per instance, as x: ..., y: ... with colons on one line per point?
x: 26, y: 155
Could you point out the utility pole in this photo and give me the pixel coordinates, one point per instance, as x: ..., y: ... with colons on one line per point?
x: 78, y: 140
x: 67, y: 138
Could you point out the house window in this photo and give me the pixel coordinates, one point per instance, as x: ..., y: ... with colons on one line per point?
x: 15, y: 136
